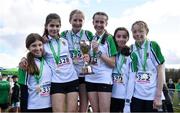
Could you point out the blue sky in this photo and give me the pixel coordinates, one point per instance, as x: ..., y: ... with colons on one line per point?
x: 18, y: 18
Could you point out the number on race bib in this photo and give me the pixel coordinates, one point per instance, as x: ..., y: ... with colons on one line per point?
x: 64, y: 60
x: 143, y: 77
x: 117, y: 78
x: 45, y: 90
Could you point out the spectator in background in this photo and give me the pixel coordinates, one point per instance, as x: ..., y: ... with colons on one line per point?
x: 171, y: 88
x: 15, y: 95
x: 5, y: 92
x: 178, y: 89
x: 167, y: 103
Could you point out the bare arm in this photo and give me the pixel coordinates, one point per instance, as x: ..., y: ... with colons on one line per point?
x: 160, y: 81
x: 110, y: 61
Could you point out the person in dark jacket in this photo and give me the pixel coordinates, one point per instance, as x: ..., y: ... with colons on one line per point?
x: 167, y: 103
x: 171, y: 88
x: 15, y: 94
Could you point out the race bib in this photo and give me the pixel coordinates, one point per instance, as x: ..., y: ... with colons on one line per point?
x: 63, y: 60
x: 143, y: 77
x: 76, y: 56
x: 117, y: 78
x: 45, y: 90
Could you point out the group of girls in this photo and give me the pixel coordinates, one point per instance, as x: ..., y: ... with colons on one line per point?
x: 125, y: 79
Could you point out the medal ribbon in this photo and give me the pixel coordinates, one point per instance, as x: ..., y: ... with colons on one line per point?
x: 99, y: 41
x: 75, y: 43
x: 120, y: 64
x: 144, y: 63
x: 38, y: 77
x: 56, y: 56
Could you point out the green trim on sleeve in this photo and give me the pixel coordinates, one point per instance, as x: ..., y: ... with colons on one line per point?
x: 111, y: 46
x: 134, y: 63
x: 64, y: 33
x: 89, y: 35
x: 156, y: 50
x: 22, y: 76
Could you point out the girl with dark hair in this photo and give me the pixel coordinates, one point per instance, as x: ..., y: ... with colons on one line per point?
x: 35, y: 83
x: 120, y: 73
x: 64, y: 80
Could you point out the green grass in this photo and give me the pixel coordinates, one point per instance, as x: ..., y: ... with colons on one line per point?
x: 175, y: 103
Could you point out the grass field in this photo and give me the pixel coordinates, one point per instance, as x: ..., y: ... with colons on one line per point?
x: 175, y: 103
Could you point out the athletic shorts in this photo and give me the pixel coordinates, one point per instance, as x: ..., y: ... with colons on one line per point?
x: 98, y: 87
x: 117, y: 105
x: 139, y: 105
x: 82, y: 80
x: 65, y: 88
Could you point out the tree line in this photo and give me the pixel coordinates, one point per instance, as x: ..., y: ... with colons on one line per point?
x: 172, y: 73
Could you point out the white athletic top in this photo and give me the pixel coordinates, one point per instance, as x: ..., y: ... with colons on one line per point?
x: 64, y: 71
x: 103, y: 73
x: 73, y: 42
x: 146, y: 81
x: 42, y: 99
x: 120, y: 78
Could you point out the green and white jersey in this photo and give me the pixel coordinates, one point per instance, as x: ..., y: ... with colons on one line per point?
x: 4, y: 92
x: 37, y: 99
x: 74, y: 46
x: 120, y: 76
x: 103, y: 73
x: 63, y: 69
x: 145, y: 60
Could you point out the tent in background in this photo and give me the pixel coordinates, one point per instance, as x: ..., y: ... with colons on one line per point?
x: 11, y: 71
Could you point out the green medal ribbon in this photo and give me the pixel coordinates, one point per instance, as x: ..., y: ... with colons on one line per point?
x: 38, y: 77
x: 56, y: 56
x: 119, y: 65
x: 99, y: 41
x: 144, y: 63
x: 75, y: 48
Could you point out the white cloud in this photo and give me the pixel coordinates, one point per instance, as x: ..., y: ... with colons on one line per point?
x: 163, y: 17
x: 8, y: 61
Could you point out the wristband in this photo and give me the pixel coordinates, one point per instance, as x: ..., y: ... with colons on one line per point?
x: 128, y: 101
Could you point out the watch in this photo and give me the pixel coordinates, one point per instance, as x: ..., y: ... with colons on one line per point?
x: 99, y: 53
x: 127, y: 101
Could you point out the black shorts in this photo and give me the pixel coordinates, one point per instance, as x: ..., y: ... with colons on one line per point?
x: 49, y: 110
x: 65, y: 88
x: 4, y: 106
x: 117, y: 105
x: 98, y: 87
x: 139, y: 105
x: 82, y: 80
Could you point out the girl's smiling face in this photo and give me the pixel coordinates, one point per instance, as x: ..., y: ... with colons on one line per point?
x: 99, y: 22
x: 121, y: 38
x: 36, y: 48
x: 53, y: 28
x: 77, y: 22
x: 139, y: 33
